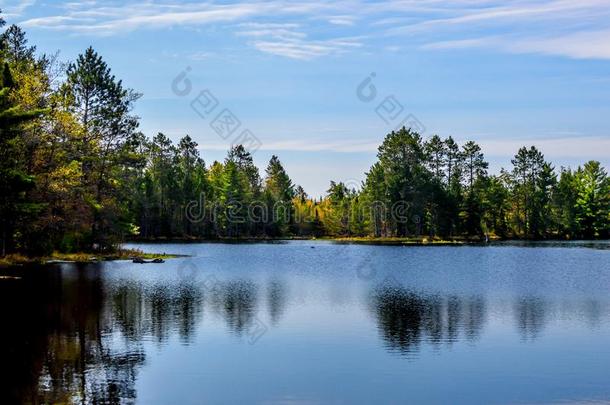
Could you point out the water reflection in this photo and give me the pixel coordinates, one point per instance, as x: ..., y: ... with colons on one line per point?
x: 276, y: 299
x: 156, y: 311
x: 530, y: 313
x: 74, y: 338
x: 81, y: 333
x: 237, y: 302
x: 406, y: 318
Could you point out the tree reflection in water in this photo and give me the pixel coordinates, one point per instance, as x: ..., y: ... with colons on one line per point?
x: 276, y: 300
x: 530, y: 313
x: 406, y: 319
x: 236, y: 301
x: 75, y: 338
x: 77, y: 334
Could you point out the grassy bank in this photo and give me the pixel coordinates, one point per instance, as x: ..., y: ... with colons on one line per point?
x: 411, y: 240
x: 82, y: 257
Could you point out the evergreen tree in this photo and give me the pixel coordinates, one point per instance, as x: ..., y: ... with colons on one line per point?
x: 533, y: 180
x: 193, y: 186
x: 15, y: 180
x: 453, y: 162
x: 564, y: 203
x: 495, y: 205
x: 279, y: 192
x: 592, y: 206
x: 14, y: 46
x: 405, y: 177
x: 102, y: 107
x: 233, y: 201
x: 436, y: 155
x: 245, y: 163
x: 475, y: 168
x: 474, y: 163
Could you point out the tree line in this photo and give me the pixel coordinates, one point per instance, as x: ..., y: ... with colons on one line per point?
x: 76, y: 174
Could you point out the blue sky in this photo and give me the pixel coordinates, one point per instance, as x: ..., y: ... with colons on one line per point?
x: 504, y: 74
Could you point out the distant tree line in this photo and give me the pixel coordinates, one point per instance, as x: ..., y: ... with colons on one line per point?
x: 77, y: 175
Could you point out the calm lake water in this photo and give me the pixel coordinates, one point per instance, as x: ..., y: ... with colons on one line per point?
x: 313, y: 322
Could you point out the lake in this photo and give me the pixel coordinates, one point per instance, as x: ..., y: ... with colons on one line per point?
x: 307, y: 322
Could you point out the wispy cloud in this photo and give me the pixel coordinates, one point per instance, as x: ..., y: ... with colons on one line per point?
x: 305, y: 50
x: 111, y: 20
x: 305, y: 145
x: 285, y: 40
x: 575, y: 29
x: 578, y: 45
x: 342, y: 20
x: 15, y: 8
x: 462, y: 43
x: 581, y: 147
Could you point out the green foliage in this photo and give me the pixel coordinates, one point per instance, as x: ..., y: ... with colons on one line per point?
x: 76, y: 175
x: 15, y: 179
x: 592, y: 205
x: 279, y: 192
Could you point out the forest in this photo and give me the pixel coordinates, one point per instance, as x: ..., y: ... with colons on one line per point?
x: 76, y: 174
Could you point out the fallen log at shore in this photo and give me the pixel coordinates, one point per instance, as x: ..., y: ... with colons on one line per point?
x: 139, y: 260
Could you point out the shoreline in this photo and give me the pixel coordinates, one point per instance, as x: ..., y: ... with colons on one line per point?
x: 12, y: 260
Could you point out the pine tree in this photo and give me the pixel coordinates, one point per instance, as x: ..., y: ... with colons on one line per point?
x: 15, y: 180
x: 436, y: 155
x: 405, y: 177
x: 533, y: 180
x: 14, y: 46
x: 279, y: 192
x: 592, y: 207
x: 102, y: 106
x: 245, y: 163
x: 474, y: 162
x: 192, y: 183
x: 233, y: 201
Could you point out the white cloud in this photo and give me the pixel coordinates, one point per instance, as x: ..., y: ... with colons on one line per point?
x: 198, y: 56
x: 554, y: 148
x: 305, y: 50
x: 569, y: 28
x: 342, y: 20
x: 578, y: 45
x: 285, y: 40
x: 11, y: 9
x: 581, y: 148
x: 305, y: 145
x: 109, y: 20
x: 462, y: 43
x: 512, y: 14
